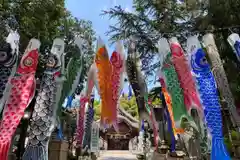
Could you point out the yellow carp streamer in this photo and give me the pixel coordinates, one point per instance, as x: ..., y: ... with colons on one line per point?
x: 104, y: 80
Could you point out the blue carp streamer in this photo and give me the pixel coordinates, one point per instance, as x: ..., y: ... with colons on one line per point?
x: 210, y: 100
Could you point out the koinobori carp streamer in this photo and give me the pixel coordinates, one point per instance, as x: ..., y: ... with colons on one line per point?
x: 191, y: 98
x: 8, y: 60
x: 208, y: 92
x: 105, y: 86
x: 117, y: 62
x: 173, y: 86
x: 21, y: 94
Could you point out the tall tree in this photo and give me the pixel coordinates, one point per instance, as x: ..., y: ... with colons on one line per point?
x: 35, y: 18
x: 152, y: 19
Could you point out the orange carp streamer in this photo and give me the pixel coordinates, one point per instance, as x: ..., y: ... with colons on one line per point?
x: 105, y: 86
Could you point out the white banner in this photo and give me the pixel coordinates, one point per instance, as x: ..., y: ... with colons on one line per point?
x: 95, y: 138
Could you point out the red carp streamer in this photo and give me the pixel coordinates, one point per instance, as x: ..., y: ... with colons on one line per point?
x: 191, y: 98
x: 104, y: 80
x: 21, y: 94
x: 117, y: 69
x: 80, y: 123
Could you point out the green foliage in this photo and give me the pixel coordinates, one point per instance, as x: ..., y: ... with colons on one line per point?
x: 235, y: 135
x: 129, y: 105
x: 35, y: 18
x: 97, y: 110
x: 156, y: 102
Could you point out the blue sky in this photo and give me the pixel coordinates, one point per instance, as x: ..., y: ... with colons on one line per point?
x: 91, y: 10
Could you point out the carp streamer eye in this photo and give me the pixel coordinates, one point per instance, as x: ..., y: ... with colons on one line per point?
x: 3, y: 56
x: 204, y: 60
x: 52, y: 61
x: 28, y: 61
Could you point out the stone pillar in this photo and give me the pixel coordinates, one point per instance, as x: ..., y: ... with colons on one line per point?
x: 58, y: 150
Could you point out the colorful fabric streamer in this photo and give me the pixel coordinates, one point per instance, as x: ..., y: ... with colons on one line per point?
x: 8, y: 61
x: 88, y: 123
x: 117, y: 71
x: 139, y: 86
x: 191, y: 99
x: 168, y: 101
x: 91, y: 80
x: 153, y: 122
x: 21, y: 94
x: 220, y: 76
x: 69, y: 101
x: 88, y: 127
x: 80, y: 123
x: 173, y: 87
x: 237, y: 48
x: 234, y: 41
x: 104, y: 80
x: 209, y: 96
x: 83, y: 100
x: 42, y: 124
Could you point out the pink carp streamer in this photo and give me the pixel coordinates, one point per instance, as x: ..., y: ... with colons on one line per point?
x: 21, y: 94
x: 191, y: 98
x: 117, y: 66
x: 80, y: 121
x: 83, y: 100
